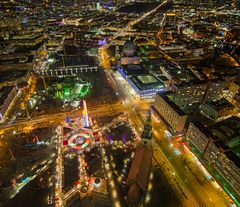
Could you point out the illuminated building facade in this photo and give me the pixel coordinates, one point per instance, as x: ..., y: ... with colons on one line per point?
x: 14, y: 78
x: 129, y: 54
x: 198, y: 136
x: 28, y: 39
x: 209, y: 142
x: 144, y: 84
x: 129, y: 60
x: 172, y: 116
x: 198, y: 92
x: 128, y: 71
x: 16, y: 62
x: 233, y: 95
x: 234, y: 88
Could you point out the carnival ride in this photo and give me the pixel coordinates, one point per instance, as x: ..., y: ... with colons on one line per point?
x: 82, y: 134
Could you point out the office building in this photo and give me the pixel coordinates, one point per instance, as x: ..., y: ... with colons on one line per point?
x: 127, y: 71
x: 172, y: 116
x: 16, y: 62
x: 198, y: 92
x: 146, y: 85
x: 197, y: 135
x: 218, y: 145
x: 217, y: 109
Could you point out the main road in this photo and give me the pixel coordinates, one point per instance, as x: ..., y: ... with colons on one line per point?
x: 184, y: 180
x: 206, y: 190
x: 54, y: 119
x: 136, y: 21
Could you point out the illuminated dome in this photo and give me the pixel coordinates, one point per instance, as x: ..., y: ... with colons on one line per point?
x: 129, y: 45
x: 129, y: 48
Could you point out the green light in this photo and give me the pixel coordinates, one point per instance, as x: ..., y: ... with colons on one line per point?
x: 142, y: 51
x: 232, y: 196
x: 66, y: 91
x: 59, y: 86
x: 84, y: 90
x: 71, y: 89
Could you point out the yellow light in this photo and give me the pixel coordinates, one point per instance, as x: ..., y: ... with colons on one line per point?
x: 114, y: 194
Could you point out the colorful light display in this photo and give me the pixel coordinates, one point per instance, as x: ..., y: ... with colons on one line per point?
x: 79, y: 141
x: 75, y: 89
x: 85, y: 115
x: 82, y: 135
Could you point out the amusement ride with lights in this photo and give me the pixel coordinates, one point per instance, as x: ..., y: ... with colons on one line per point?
x: 84, y: 134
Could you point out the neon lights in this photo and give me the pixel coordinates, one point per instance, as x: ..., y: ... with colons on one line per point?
x: 102, y: 42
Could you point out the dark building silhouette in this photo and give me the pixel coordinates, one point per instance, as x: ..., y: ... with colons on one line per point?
x: 137, y: 180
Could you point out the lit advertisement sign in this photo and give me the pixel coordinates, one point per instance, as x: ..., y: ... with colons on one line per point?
x: 102, y: 42
x: 130, y: 60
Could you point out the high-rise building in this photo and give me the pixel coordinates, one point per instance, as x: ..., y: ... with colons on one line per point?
x: 173, y: 117
x: 209, y: 143
x: 200, y: 92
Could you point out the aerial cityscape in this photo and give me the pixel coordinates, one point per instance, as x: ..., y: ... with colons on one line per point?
x: 119, y: 103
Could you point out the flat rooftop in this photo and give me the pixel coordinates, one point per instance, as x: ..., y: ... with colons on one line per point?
x: 183, y: 74
x: 15, y: 59
x: 229, y: 132
x: 233, y: 157
x: 165, y: 97
x: 220, y: 104
x: 146, y: 82
x: 147, y: 79
x: 133, y: 69
x: 12, y: 75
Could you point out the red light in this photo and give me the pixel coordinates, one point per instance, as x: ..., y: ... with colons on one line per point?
x: 76, y: 183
